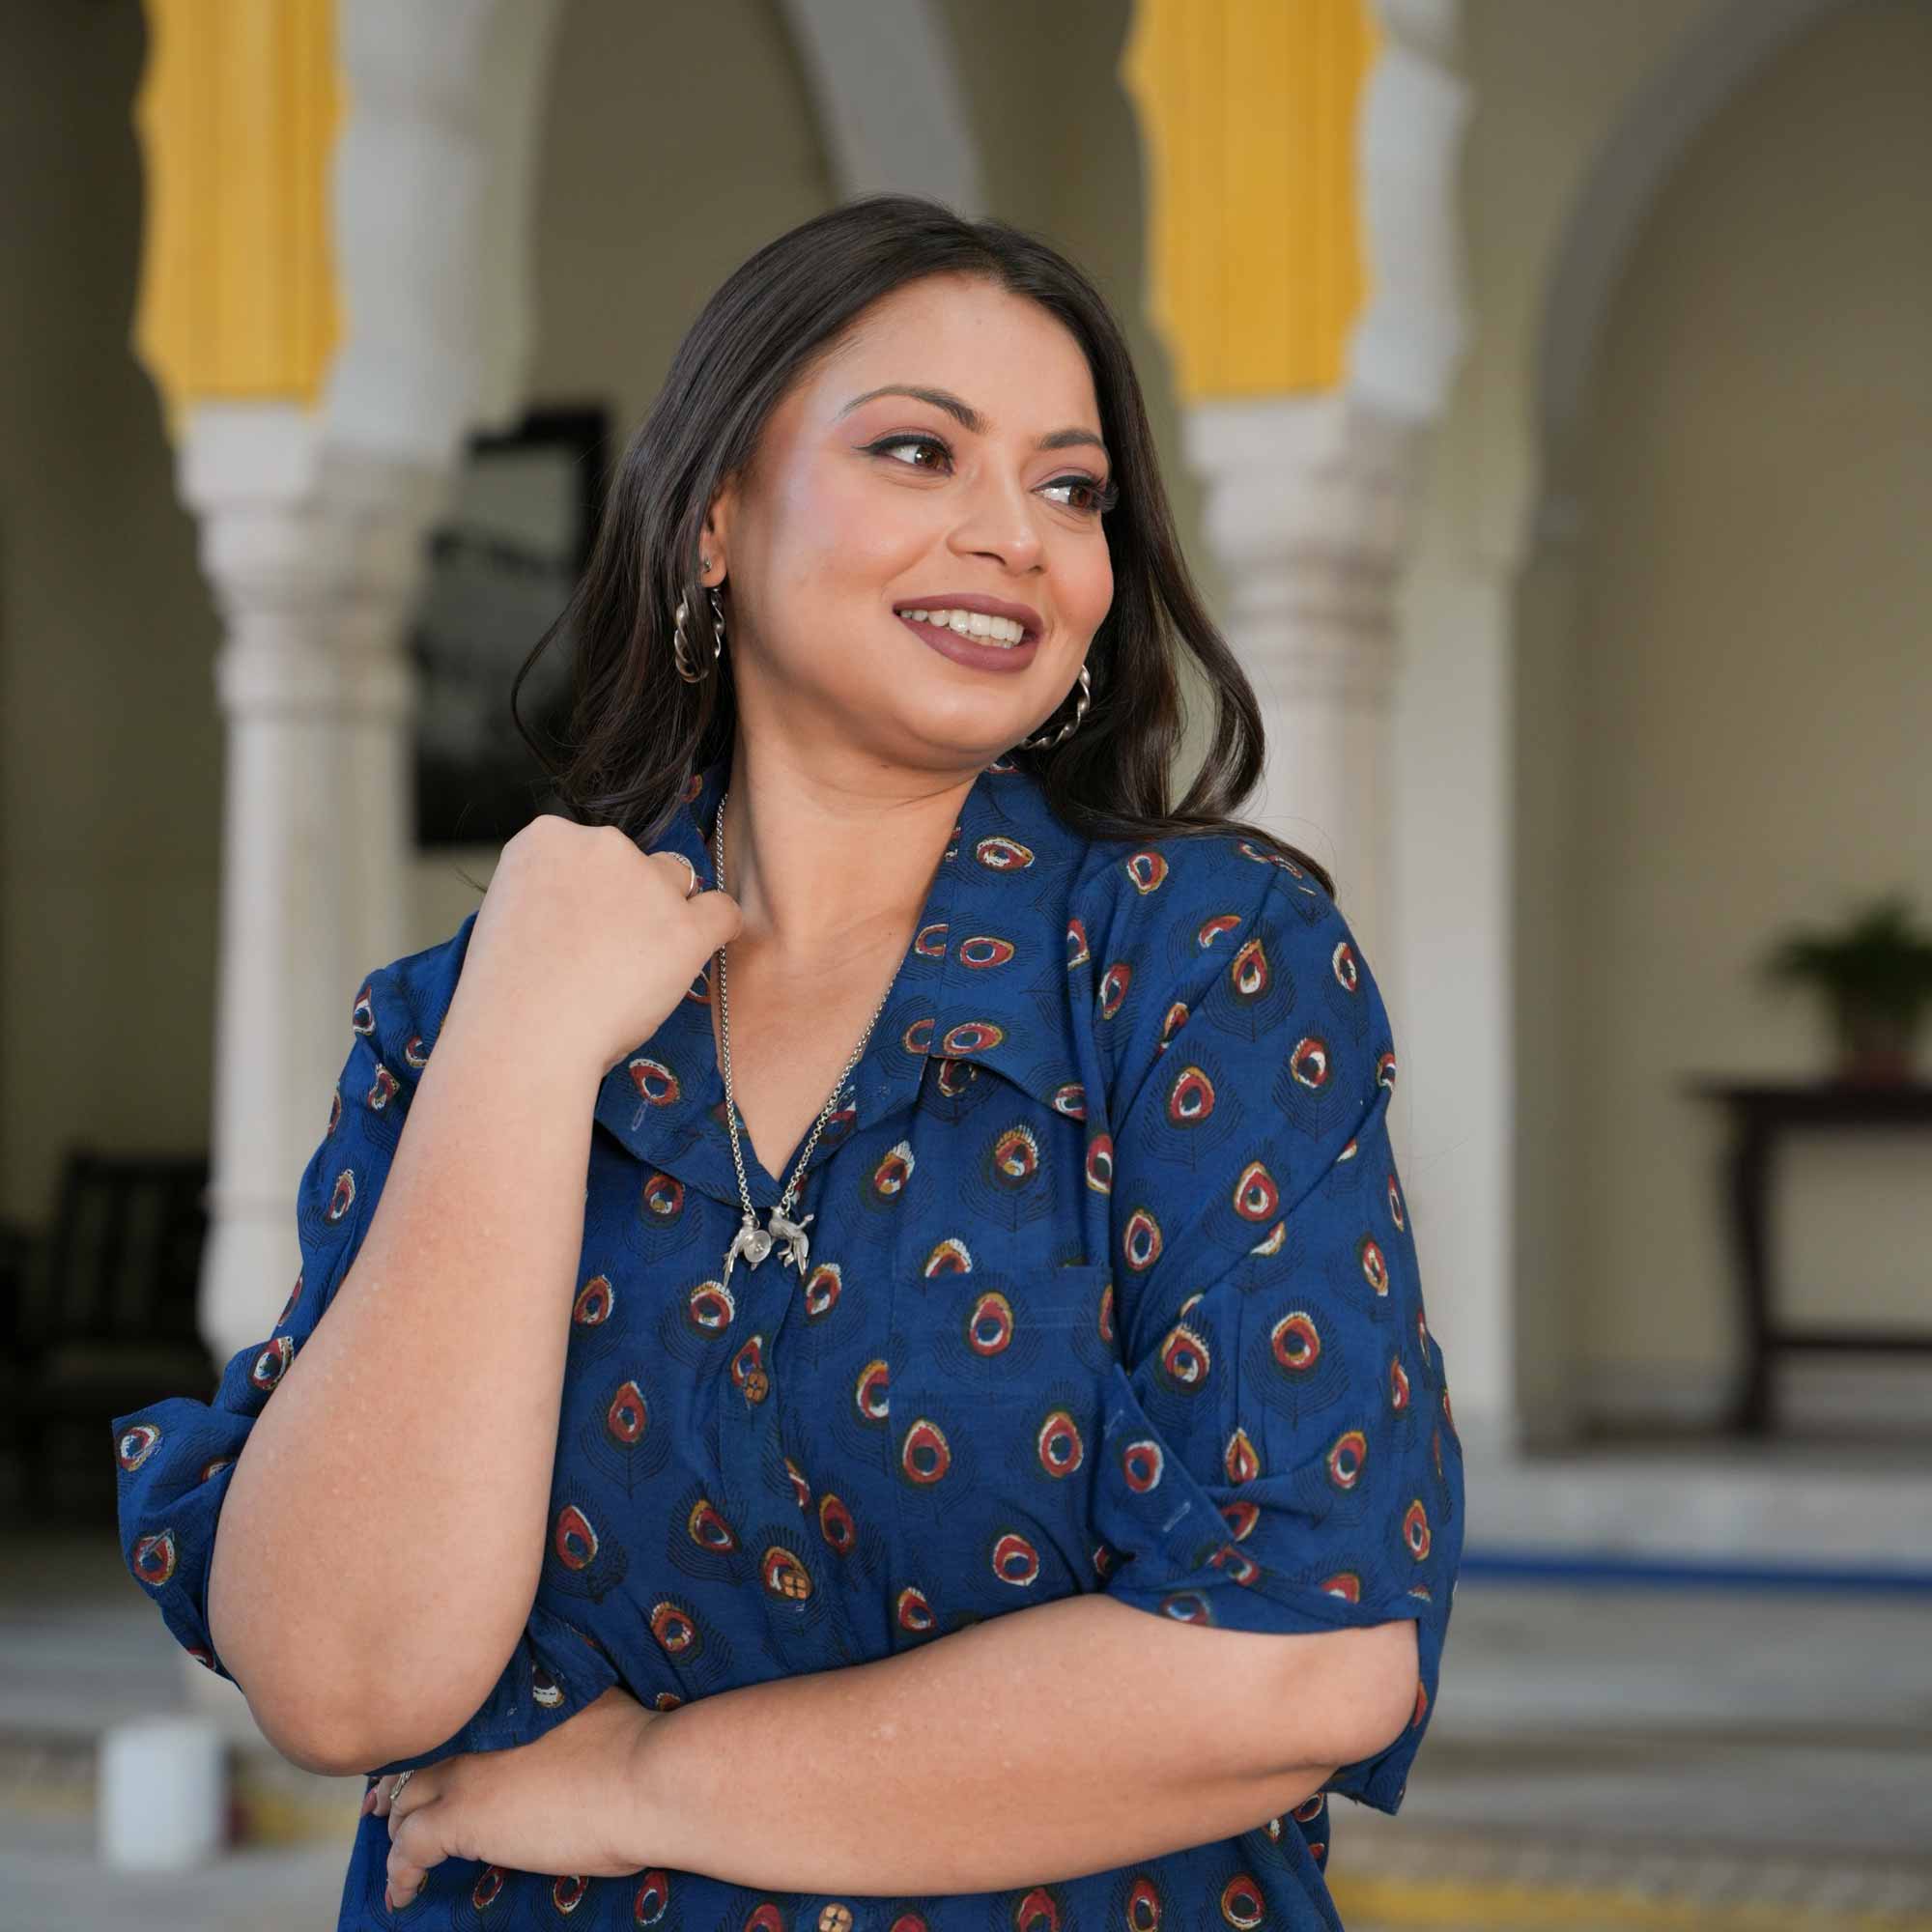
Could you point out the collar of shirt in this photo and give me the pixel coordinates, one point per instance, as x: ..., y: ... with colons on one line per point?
x: 986, y: 982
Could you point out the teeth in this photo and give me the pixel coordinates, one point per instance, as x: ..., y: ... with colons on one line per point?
x: 973, y: 624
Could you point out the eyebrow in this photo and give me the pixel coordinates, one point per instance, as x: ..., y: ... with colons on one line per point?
x: 970, y: 418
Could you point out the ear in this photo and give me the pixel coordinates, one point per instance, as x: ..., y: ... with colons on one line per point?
x: 715, y: 539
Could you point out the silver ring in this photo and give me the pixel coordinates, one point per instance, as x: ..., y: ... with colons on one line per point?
x: 396, y: 1789
x: 689, y: 867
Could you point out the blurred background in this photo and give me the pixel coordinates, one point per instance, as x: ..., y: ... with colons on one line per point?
x: 1544, y: 390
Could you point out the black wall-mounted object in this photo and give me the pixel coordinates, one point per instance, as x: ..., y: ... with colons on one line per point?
x: 502, y: 565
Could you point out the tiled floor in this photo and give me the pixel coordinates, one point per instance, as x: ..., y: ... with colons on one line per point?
x: 1679, y: 1759
x: 1703, y: 1757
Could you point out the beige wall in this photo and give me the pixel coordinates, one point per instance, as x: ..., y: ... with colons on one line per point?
x: 110, y: 754
x: 1482, y: 711
x: 1751, y: 681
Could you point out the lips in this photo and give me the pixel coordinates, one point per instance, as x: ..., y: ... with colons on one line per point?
x: 1023, y: 614
x: 979, y: 653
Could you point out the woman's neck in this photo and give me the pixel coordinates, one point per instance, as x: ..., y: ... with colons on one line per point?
x: 827, y: 864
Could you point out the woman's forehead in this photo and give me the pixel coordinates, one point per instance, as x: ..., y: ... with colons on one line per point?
x: 1014, y: 365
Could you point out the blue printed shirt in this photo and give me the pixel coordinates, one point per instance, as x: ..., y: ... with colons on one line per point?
x: 1112, y: 1286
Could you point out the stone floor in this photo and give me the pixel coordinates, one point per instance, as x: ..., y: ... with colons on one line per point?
x: 1685, y: 1758
x: 1664, y: 1756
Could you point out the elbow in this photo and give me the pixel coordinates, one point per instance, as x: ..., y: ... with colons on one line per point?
x: 1386, y: 1676
x: 326, y: 1718
x: 306, y: 1745
x: 326, y: 1705
x: 343, y: 1743
x: 1350, y: 1694
x: 327, y: 1735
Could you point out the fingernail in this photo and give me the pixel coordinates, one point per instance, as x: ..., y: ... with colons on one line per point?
x: 368, y: 1800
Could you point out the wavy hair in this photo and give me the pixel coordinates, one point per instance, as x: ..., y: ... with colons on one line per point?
x: 638, y: 730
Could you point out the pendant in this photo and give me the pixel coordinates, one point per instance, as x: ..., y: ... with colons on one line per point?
x: 754, y: 1243
x: 751, y: 1240
x: 792, y: 1233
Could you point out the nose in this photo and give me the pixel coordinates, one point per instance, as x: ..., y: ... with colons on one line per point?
x: 1000, y: 523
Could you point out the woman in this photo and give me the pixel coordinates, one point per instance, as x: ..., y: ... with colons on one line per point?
x: 887, y: 1374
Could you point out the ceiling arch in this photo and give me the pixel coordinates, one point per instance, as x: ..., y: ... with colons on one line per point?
x: 1709, y: 66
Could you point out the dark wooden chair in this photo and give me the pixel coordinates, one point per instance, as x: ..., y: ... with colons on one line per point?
x: 101, y: 1318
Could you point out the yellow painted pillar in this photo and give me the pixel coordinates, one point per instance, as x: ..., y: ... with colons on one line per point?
x: 332, y: 297
x: 1264, y: 158
x: 1249, y: 115
x: 1304, y: 269
x: 238, y: 112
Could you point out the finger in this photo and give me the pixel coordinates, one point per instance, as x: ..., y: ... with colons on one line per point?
x: 681, y: 869
x: 404, y: 1880
x: 380, y: 1797
x: 397, y: 1893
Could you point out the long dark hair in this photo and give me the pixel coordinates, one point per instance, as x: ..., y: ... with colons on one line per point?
x: 638, y: 730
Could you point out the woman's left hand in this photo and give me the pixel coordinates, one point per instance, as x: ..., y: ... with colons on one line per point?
x: 561, y: 1805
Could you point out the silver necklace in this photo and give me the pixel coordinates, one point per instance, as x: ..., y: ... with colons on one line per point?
x: 751, y: 1240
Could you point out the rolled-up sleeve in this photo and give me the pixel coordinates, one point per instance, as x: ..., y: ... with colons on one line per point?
x: 1278, y: 1449
x: 176, y: 1457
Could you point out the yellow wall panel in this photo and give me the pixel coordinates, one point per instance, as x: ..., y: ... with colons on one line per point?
x: 237, y: 114
x: 1249, y: 112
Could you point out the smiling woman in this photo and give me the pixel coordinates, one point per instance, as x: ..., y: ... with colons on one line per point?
x: 1064, y: 1115
x: 904, y: 410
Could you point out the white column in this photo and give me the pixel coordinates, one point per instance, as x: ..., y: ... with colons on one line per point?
x: 315, y: 568
x: 313, y: 529
x: 312, y: 536
x: 1306, y: 509
x: 1309, y: 501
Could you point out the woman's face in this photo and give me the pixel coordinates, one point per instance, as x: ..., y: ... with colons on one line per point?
x: 856, y: 506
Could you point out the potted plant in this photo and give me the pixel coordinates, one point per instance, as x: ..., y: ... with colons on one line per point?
x: 1877, y: 975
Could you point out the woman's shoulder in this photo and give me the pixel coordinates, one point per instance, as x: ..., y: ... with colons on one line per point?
x: 1169, y: 928
x: 1195, y: 888
x: 399, y: 1007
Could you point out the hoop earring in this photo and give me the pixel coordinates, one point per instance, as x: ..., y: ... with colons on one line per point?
x: 1072, y: 724
x: 678, y: 648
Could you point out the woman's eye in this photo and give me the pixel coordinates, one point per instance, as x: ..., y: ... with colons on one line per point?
x: 1100, y: 496
x: 909, y: 442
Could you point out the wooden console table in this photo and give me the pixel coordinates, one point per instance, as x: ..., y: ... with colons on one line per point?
x: 1760, y: 1114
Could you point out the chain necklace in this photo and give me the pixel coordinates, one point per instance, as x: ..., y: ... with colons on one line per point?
x: 751, y: 1240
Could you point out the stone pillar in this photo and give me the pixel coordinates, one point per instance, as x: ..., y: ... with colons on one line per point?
x: 315, y: 567
x: 317, y: 457
x: 328, y: 306
x: 1303, y: 267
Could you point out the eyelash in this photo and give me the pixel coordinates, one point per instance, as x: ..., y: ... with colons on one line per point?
x: 1105, y: 496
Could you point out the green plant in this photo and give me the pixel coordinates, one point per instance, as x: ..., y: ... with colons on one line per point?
x: 1876, y: 973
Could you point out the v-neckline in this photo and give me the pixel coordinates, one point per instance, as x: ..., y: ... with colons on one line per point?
x: 765, y: 1186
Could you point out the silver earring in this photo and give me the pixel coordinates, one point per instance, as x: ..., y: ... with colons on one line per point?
x: 1072, y: 724
x: 680, y: 651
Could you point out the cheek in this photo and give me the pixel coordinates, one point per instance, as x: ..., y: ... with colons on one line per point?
x: 838, y: 533
x: 1090, y: 591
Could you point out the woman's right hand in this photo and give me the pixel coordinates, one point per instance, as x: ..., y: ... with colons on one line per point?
x: 584, y: 933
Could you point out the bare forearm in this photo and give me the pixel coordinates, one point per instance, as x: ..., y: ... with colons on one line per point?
x: 379, y: 1543
x: 1060, y: 1739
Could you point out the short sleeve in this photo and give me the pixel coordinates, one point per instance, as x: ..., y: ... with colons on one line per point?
x: 176, y: 1457
x: 1278, y: 1450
